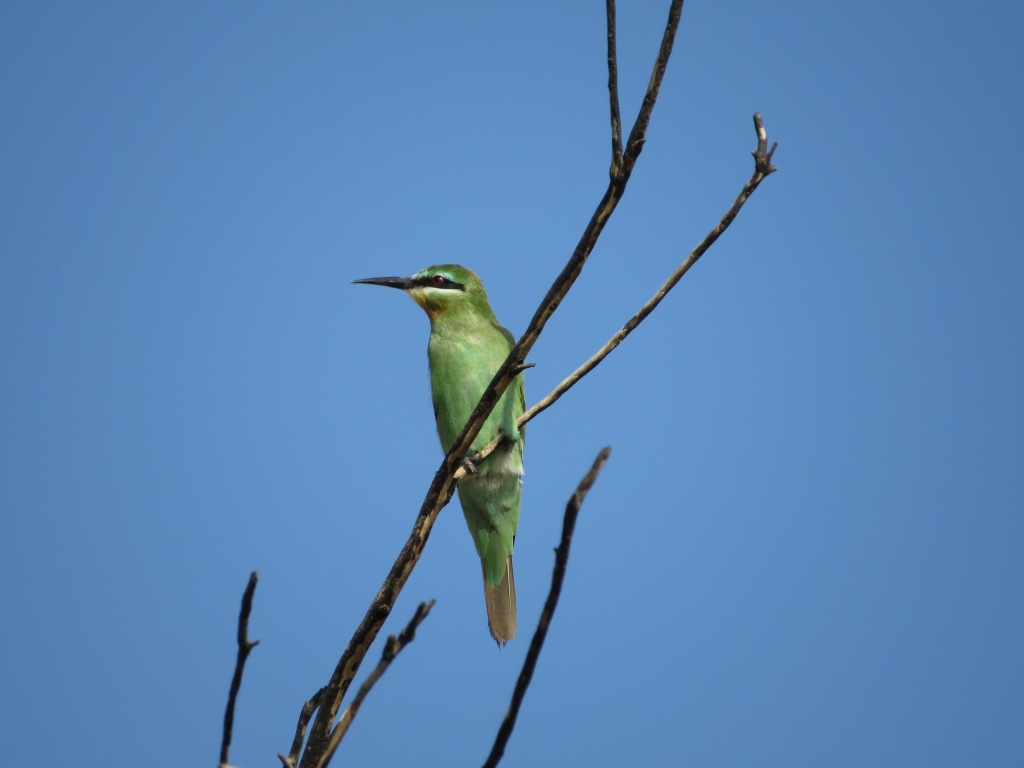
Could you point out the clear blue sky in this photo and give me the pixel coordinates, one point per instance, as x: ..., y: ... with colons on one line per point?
x: 806, y: 549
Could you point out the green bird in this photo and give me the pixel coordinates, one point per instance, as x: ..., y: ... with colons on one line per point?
x: 467, y: 345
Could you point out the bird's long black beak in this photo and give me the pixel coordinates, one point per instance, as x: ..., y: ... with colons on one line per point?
x: 402, y: 283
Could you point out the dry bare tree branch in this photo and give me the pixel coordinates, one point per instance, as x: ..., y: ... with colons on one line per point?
x: 613, y: 91
x: 762, y: 168
x: 638, y: 136
x: 391, y: 649
x: 557, y: 577
x: 245, y: 646
x: 443, y: 485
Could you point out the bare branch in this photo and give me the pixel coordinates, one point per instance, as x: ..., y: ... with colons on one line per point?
x: 613, y: 92
x: 557, y: 577
x: 245, y: 646
x: 443, y: 486
x: 638, y: 136
x: 300, y: 730
x: 391, y: 649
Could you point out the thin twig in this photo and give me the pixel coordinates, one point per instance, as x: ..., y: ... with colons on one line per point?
x: 391, y: 649
x: 300, y: 730
x: 245, y: 645
x: 762, y: 168
x: 557, y: 577
x: 443, y: 485
x: 638, y: 136
x: 613, y: 92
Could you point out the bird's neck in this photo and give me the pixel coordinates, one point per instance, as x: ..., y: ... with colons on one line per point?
x: 461, y: 318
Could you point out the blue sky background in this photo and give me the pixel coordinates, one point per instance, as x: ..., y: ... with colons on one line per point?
x: 806, y: 548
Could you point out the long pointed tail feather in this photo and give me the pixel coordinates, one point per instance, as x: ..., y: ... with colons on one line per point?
x: 501, y: 606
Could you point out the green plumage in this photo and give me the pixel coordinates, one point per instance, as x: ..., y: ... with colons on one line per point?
x: 467, y: 345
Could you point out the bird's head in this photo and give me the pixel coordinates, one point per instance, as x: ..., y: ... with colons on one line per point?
x: 440, y: 289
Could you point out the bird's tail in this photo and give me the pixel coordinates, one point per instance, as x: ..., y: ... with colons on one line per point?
x: 501, y: 605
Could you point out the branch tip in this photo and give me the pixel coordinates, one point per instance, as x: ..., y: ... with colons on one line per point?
x: 763, y: 155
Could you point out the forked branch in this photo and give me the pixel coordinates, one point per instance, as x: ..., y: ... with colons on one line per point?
x: 392, y: 648
x: 762, y: 168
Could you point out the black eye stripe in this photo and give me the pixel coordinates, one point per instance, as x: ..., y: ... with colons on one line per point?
x: 439, y: 281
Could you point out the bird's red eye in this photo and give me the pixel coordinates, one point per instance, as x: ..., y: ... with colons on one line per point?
x: 437, y: 280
